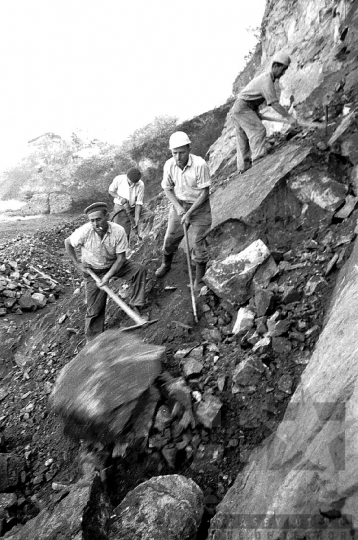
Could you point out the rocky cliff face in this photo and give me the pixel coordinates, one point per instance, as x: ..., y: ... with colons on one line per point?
x: 318, y: 35
x: 301, y: 482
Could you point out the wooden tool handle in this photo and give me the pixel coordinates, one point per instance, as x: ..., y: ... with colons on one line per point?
x: 285, y: 121
x: 192, y: 293
x: 132, y: 314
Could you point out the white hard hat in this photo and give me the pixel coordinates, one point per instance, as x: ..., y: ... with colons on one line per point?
x: 281, y: 58
x: 179, y: 138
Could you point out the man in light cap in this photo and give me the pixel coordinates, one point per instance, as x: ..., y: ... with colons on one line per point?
x: 127, y: 191
x: 250, y: 131
x: 103, y: 248
x: 186, y: 182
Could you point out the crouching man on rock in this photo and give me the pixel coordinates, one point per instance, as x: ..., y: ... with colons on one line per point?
x: 103, y: 249
x: 186, y: 182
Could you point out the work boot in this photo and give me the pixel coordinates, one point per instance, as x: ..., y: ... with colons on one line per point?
x: 165, y: 266
x: 199, y: 274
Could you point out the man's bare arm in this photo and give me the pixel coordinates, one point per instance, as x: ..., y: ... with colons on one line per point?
x: 282, y: 111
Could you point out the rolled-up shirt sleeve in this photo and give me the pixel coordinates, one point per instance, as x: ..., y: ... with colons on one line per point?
x: 114, y: 185
x: 122, y: 245
x: 203, y: 176
x: 77, y: 238
x: 269, y: 91
x: 167, y: 182
x: 140, y: 194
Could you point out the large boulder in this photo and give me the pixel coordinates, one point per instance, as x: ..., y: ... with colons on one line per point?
x: 169, y: 507
x: 230, y: 279
x: 83, y: 513
x: 108, y: 381
x: 243, y: 196
x: 319, y: 188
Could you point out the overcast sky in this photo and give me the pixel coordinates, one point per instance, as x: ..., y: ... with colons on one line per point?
x: 111, y: 66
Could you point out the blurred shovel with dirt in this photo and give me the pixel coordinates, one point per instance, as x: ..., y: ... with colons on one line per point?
x: 106, y: 395
x: 97, y: 393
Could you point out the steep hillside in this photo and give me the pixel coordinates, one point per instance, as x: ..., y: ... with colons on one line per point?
x: 270, y: 369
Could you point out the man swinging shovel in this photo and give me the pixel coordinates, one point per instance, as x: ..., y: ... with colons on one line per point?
x: 103, y: 250
x: 186, y: 183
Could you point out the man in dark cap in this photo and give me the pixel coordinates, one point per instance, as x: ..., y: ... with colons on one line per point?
x: 128, y: 193
x: 103, y: 248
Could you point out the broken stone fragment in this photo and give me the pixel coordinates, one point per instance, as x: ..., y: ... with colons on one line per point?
x: 221, y: 382
x: 298, y: 336
x: 191, y: 367
x: 84, y: 510
x: 7, y: 500
x: 314, y: 186
x: 248, y: 372
x: 26, y: 303
x: 212, y: 335
x: 262, y: 302
x: 262, y: 346
x: 277, y: 327
x: 244, y: 321
x: 348, y: 207
x: 314, y: 284
x: 263, y: 275
x: 40, y: 299
x: 207, y: 455
x: 9, y: 293
x: 281, y: 345
x: 208, y: 410
x: 285, y: 383
x: 230, y: 279
x: 252, y: 337
x: 197, y: 352
x: 354, y: 179
x: 291, y: 294
x: 163, y: 418
x: 11, y: 467
x: 261, y: 327
x: 169, y: 453
x: 181, y: 353
x: 169, y: 507
x: 158, y: 441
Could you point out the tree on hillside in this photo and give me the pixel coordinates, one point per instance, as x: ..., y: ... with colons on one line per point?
x: 151, y: 141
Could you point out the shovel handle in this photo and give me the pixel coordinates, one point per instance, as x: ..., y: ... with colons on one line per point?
x: 192, y: 293
x: 132, y: 314
x: 284, y: 121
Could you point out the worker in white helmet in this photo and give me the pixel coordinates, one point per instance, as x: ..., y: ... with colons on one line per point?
x: 186, y: 182
x: 250, y: 131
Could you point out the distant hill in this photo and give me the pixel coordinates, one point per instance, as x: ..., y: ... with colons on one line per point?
x: 60, y: 174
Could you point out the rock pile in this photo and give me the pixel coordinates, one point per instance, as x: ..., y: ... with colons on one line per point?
x: 30, y: 273
x: 26, y: 291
